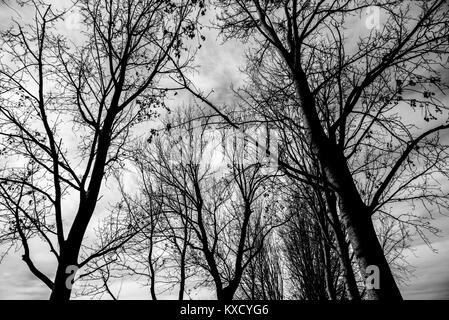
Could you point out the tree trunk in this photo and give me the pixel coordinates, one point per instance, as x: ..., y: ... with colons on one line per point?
x: 355, y: 215
x: 227, y: 294
x: 88, y: 201
x: 60, y: 291
x: 352, y: 289
x: 369, y: 252
x: 152, y: 271
x: 62, y: 288
x: 182, y: 281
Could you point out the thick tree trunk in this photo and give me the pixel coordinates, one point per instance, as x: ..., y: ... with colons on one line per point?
x: 60, y: 291
x: 369, y: 252
x: 62, y: 287
x: 227, y: 294
x: 88, y: 201
x: 71, y: 248
x: 356, y: 218
x: 354, y: 213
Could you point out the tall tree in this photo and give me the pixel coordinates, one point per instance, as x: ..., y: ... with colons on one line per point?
x: 102, y: 83
x: 305, y: 45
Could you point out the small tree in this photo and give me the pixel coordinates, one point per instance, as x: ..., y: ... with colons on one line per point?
x: 220, y: 200
x: 263, y: 277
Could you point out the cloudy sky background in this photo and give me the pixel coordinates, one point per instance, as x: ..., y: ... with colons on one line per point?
x: 219, y: 69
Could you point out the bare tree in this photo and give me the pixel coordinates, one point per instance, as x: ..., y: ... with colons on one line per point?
x: 102, y: 87
x: 313, y: 267
x: 145, y: 255
x: 304, y: 48
x: 263, y: 277
x: 219, y: 203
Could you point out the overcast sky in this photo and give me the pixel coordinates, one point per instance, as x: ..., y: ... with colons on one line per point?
x: 219, y: 69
